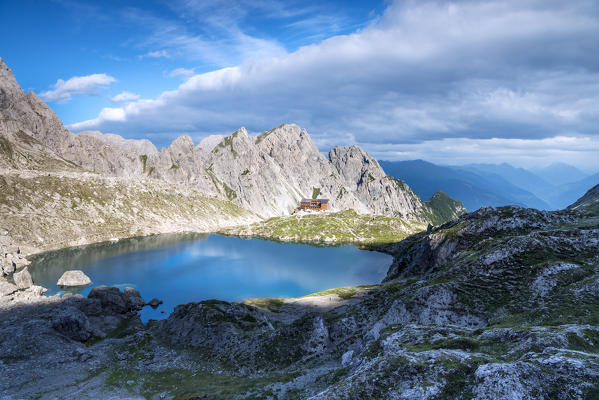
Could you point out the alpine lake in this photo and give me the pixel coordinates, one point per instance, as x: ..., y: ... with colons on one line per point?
x: 184, y: 268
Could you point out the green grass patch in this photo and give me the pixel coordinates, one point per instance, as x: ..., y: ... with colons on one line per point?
x: 144, y: 160
x: 271, y: 304
x: 185, y: 384
x: 227, y: 143
x: 346, y: 292
x: 333, y: 227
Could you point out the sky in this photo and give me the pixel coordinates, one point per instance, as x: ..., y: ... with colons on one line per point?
x: 451, y: 82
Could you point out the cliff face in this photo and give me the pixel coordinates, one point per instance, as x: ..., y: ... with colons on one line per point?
x: 26, y: 121
x: 267, y: 175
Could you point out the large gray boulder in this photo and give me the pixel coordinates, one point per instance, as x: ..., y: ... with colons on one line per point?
x: 134, y: 300
x: 113, y: 301
x: 23, y: 279
x: 74, y: 278
x: 72, y: 323
x: 7, y: 288
x: 8, y: 267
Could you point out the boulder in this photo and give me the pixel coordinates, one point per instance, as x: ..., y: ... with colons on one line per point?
x: 8, y: 268
x: 154, y: 302
x: 23, y: 279
x: 346, y: 358
x: 90, y: 307
x: 30, y: 295
x: 7, y: 288
x: 74, y: 278
x: 73, y: 324
x: 134, y: 300
x: 36, y: 290
x: 113, y: 301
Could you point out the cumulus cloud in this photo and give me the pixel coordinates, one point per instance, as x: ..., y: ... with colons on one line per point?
x: 106, y: 115
x: 180, y: 72
x: 425, y: 71
x: 124, y: 96
x: 156, y: 54
x: 90, y: 84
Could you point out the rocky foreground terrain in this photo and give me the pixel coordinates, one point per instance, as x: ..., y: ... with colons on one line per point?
x: 502, y: 303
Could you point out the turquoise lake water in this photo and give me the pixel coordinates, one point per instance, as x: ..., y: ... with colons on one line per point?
x: 183, y: 268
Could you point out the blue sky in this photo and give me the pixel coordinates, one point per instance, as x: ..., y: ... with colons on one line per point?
x: 448, y: 81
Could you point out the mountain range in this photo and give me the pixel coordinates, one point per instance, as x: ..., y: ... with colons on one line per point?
x: 479, y: 185
x: 266, y: 175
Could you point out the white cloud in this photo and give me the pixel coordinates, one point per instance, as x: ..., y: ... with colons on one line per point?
x: 106, y: 115
x: 156, y: 54
x: 216, y: 38
x: 424, y: 72
x: 63, y: 90
x: 124, y: 96
x: 181, y: 72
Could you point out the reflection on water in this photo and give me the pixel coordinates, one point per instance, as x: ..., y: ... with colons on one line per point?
x: 182, y: 268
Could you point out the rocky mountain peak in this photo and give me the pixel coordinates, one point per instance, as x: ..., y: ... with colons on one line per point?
x: 289, y: 142
x: 209, y: 142
x: 239, y: 142
x: 182, y: 145
x: 354, y: 164
x: 8, y: 82
x: 141, y: 146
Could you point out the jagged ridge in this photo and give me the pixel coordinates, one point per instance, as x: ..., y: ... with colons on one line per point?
x: 267, y: 175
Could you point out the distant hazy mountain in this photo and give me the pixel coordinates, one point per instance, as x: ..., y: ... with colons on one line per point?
x: 560, y: 174
x: 520, y: 177
x: 561, y: 186
x: 477, y: 185
x: 472, y: 187
x: 569, y: 193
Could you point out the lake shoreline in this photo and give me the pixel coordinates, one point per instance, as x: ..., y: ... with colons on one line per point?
x: 244, y: 268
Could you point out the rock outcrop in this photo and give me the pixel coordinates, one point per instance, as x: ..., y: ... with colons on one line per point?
x: 113, y: 301
x: 23, y: 279
x: 7, y: 288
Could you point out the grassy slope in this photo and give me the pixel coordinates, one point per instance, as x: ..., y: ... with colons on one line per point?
x: 340, y: 227
x: 50, y: 211
x: 589, y: 203
x: 444, y: 208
